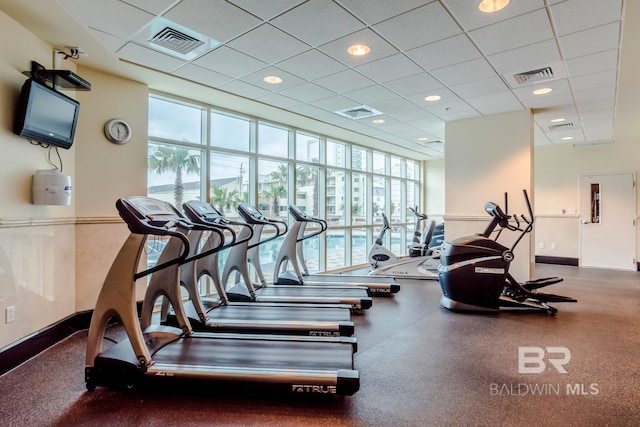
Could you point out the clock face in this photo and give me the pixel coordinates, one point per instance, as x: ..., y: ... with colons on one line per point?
x: 118, y: 131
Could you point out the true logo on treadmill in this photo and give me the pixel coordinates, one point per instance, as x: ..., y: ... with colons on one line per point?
x: 305, y: 388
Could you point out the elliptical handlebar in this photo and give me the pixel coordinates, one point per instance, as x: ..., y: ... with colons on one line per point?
x: 499, y: 217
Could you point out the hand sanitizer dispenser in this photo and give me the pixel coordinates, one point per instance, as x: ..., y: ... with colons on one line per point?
x: 51, y: 187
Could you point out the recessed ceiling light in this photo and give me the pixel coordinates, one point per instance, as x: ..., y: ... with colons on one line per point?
x: 558, y: 120
x: 273, y: 80
x: 542, y: 91
x: 432, y: 98
x: 377, y: 121
x: 490, y: 6
x: 358, y: 49
x: 567, y: 138
x: 423, y: 138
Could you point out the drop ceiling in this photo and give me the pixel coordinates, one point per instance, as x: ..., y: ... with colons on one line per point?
x: 479, y: 64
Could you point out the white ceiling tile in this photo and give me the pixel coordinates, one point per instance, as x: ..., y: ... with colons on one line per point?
x: 574, y: 15
x: 589, y: 64
x: 446, y: 52
x: 395, y: 106
x: 311, y: 65
x: 317, y: 22
x: 268, y: 44
x: 442, y: 109
x: 416, y: 113
x: 149, y: 57
x: 449, y: 38
x: 446, y: 95
x: 479, y: 87
x: 266, y: 9
x: 418, y: 27
x: 279, y: 100
x: 307, y: 92
x: 202, y: 75
x: 495, y: 103
x: 230, y: 62
x: 476, y: 69
x: 215, y: 18
x: 244, y: 89
x: 257, y: 79
x: 371, y: 94
x: 152, y: 6
x: 559, y: 87
x: 589, y: 81
x: 470, y: 17
x: 111, y: 17
x: 592, y: 102
x: 111, y: 42
x: 344, y: 81
x: 338, y: 48
x: 522, y: 30
x: 417, y: 82
x: 389, y: 68
x: 591, y: 41
x: 334, y: 103
x: 530, y: 57
x: 373, y: 11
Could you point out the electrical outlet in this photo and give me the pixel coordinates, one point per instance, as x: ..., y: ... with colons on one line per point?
x: 541, y: 245
x: 10, y: 314
x: 554, y: 246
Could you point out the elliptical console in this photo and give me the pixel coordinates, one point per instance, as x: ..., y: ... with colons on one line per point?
x: 474, y: 270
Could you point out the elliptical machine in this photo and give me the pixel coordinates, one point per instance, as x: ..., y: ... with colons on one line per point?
x: 417, y: 265
x: 474, y: 270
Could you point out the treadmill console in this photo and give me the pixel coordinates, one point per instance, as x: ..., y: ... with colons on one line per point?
x: 298, y: 213
x: 153, y: 211
x: 205, y: 211
x: 251, y: 214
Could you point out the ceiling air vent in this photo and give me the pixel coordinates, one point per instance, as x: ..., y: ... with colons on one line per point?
x: 553, y: 71
x: 174, y: 39
x: 179, y: 42
x: 562, y: 126
x: 359, y: 112
x: 545, y: 73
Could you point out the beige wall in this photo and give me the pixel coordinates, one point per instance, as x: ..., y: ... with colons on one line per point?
x: 486, y: 157
x: 559, y: 168
x: 37, y: 249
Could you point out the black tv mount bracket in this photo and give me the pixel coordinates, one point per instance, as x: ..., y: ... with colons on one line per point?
x: 64, y: 79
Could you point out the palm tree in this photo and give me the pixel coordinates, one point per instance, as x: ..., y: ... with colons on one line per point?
x: 174, y: 159
x: 275, y: 193
x: 224, y: 199
x: 280, y: 174
x: 305, y: 175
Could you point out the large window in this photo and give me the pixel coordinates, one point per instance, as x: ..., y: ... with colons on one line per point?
x: 200, y: 152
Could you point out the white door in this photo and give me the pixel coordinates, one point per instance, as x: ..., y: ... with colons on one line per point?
x: 607, y: 216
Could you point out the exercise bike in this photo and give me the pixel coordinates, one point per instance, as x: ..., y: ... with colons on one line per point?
x: 418, y: 265
x: 474, y: 270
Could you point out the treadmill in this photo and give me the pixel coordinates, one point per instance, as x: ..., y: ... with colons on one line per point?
x: 291, y: 252
x: 163, y: 352
x: 220, y: 314
x: 244, y: 290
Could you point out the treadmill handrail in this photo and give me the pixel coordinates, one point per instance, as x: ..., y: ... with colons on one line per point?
x: 301, y: 216
x: 253, y: 217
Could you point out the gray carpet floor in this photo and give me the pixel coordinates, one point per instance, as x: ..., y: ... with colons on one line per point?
x: 419, y: 364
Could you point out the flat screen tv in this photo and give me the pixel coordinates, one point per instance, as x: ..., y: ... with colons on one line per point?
x: 45, y: 115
